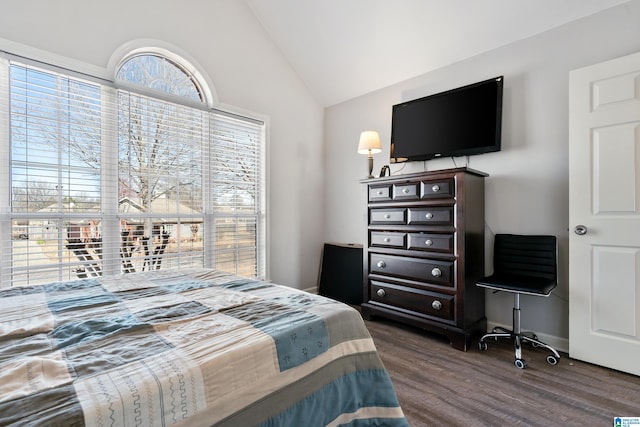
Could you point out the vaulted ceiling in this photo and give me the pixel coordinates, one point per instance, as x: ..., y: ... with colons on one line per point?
x: 345, y: 48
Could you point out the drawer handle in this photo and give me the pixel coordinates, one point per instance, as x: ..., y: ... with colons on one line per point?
x: 436, y: 272
x: 429, y: 215
x: 435, y: 188
x: 386, y: 240
x: 436, y: 305
x: 429, y: 242
x: 387, y: 216
x: 405, y: 191
x: 379, y: 192
x: 381, y: 293
x: 381, y: 264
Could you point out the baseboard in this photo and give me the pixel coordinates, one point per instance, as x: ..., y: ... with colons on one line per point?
x: 559, y: 343
x: 311, y: 290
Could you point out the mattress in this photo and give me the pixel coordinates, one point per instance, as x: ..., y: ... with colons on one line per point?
x: 191, y: 347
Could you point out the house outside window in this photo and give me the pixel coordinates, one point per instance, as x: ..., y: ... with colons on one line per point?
x: 105, y: 179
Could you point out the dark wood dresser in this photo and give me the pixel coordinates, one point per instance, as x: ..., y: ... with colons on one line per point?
x: 425, y: 252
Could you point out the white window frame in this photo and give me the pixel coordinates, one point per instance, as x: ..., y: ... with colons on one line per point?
x: 109, y: 214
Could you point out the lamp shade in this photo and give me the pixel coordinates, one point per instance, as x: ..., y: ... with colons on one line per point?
x: 369, y: 142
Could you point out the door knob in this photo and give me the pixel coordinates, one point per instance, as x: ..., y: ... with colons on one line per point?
x: 580, y: 230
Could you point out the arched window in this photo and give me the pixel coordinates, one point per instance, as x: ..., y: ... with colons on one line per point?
x: 159, y: 73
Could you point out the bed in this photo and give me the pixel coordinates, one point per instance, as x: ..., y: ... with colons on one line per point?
x: 193, y: 347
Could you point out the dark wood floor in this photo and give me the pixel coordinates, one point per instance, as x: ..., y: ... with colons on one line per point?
x: 440, y: 386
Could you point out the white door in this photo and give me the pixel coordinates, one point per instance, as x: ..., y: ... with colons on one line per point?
x: 604, y: 214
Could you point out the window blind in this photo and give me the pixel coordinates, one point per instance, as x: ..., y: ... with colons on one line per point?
x: 237, y: 194
x: 55, y: 133
x: 105, y: 181
x: 160, y: 175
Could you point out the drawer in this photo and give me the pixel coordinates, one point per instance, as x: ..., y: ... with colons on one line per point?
x: 389, y: 239
x: 405, y: 191
x: 417, y: 300
x: 436, y: 215
x: 388, y: 216
x: 430, y: 242
x: 379, y: 193
x: 425, y: 270
x: 437, y: 189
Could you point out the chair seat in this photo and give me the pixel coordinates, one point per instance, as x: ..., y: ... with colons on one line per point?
x: 516, y: 283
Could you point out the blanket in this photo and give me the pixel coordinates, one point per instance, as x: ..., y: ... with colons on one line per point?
x: 193, y: 347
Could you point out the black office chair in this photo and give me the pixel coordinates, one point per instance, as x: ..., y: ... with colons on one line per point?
x: 522, y: 264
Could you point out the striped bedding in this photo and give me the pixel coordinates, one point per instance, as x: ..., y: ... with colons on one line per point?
x: 187, y: 348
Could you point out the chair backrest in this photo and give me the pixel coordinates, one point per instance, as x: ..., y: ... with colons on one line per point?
x: 525, y: 255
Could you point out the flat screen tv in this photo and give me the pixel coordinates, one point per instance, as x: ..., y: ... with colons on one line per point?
x: 458, y: 122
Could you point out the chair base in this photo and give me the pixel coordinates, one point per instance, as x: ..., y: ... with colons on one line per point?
x: 529, y: 337
x: 519, y: 337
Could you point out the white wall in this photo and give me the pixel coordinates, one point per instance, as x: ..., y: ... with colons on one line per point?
x: 247, y: 71
x: 527, y: 191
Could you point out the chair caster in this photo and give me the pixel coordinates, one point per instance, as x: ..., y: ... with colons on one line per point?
x: 552, y: 359
x: 483, y: 346
x: 520, y: 363
x: 534, y: 344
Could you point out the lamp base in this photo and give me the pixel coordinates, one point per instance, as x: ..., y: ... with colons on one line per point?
x: 370, y: 158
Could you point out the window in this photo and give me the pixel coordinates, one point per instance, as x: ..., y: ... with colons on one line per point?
x: 105, y: 180
x: 55, y: 188
x: 161, y: 74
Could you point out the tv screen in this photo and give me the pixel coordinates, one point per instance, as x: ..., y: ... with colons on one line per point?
x: 458, y: 122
